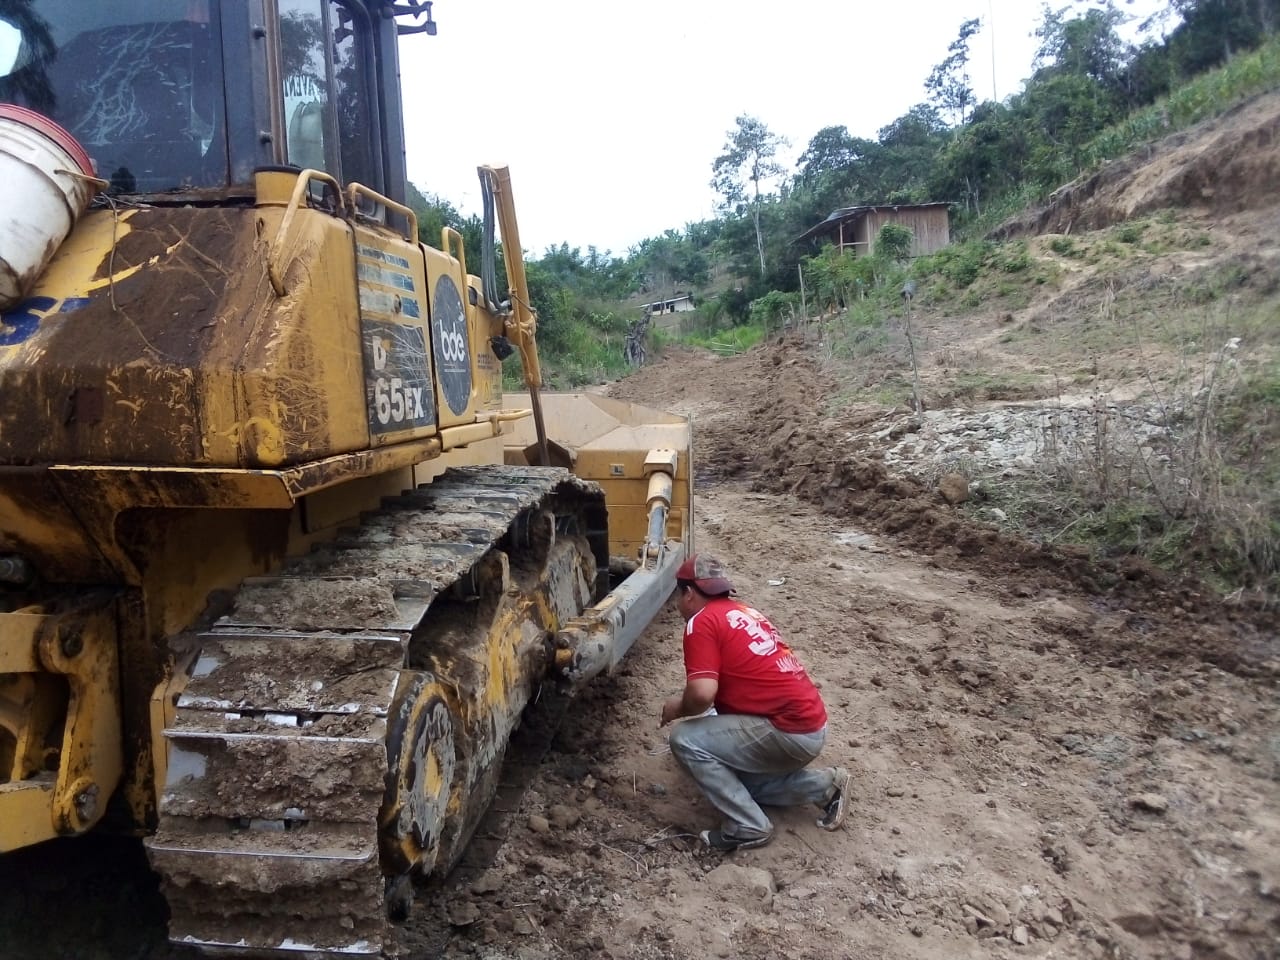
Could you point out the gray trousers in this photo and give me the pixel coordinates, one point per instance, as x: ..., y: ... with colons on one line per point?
x: 741, y: 762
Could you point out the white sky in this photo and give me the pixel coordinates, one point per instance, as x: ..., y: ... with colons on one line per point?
x: 611, y: 113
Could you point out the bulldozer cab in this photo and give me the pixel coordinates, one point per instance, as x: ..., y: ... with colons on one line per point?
x: 182, y: 99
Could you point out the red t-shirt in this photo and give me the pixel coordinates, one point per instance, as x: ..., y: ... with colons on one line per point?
x: 759, y: 675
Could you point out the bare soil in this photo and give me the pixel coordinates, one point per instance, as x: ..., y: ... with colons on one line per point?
x: 1216, y: 167
x: 1050, y: 759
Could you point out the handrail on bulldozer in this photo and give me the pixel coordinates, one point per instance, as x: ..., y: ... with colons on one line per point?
x: 274, y: 255
x: 522, y: 323
x: 357, y: 190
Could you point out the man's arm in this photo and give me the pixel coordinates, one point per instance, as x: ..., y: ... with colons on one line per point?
x: 699, y: 694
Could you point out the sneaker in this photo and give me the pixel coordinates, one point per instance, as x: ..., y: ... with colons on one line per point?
x: 726, y: 844
x: 833, y: 813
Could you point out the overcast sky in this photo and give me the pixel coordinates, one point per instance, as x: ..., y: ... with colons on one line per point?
x: 610, y: 113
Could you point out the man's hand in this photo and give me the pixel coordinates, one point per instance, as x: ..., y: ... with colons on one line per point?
x: 697, y: 697
x: 671, y: 709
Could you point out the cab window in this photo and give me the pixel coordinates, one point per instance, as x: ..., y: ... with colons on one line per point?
x: 324, y: 53
x: 137, y: 82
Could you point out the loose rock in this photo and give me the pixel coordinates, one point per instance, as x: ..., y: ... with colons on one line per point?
x: 487, y: 882
x: 1151, y: 802
x: 463, y: 913
x: 755, y: 881
x: 954, y: 488
x: 562, y: 817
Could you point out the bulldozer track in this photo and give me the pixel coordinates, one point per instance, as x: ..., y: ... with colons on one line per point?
x: 526, y: 758
x: 278, y: 829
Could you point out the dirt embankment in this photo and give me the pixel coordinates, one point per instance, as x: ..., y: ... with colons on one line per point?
x: 1222, y: 166
x: 767, y: 426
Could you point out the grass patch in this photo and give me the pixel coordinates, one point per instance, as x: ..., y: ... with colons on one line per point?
x: 981, y: 385
x: 730, y: 341
x: 1204, y: 96
x: 1130, y: 233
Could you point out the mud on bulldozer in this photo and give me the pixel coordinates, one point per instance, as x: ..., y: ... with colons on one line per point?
x: 280, y: 563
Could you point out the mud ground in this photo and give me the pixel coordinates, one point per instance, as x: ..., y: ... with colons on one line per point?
x: 1040, y: 769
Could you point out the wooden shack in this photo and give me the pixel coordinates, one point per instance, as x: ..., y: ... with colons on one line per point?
x: 854, y: 229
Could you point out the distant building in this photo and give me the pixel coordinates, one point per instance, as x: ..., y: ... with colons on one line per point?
x: 680, y: 303
x: 854, y: 229
x: 664, y: 313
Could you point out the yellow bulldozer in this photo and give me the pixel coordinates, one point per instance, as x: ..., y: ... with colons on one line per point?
x: 280, y: 563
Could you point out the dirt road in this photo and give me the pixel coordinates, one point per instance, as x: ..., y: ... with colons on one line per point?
x: 1043, y: 768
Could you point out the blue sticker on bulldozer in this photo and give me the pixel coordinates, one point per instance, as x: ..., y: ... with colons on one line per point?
x: 452, y: 346
x: 397, y: 377
x: 20, y: 322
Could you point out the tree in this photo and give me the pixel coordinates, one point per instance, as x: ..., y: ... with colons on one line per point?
x: 670, y: 261
x: 748, y: 158
x: 908, y: 151
x: 832, y: 170
x: 830, y: 150
x: 434, y: 213
x: 985, y: 157
x: 1213, y: 30
x: 1065, y: 112
x: 1084, y: 46
x: 949, y: 85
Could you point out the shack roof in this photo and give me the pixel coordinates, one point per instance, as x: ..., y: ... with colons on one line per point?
x: 851, y: 214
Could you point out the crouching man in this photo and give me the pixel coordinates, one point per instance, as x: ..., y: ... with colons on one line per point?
x: 769, y: 723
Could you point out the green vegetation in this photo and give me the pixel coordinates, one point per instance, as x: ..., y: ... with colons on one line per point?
x: 893, y: 242
x: 730, y: 341
x: 1202, y: 96
x: 775, y: 309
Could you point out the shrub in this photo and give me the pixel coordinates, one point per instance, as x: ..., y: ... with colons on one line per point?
x: 893, y: 242
x: 774, y: 309
x: 1017, y: 262
x: 1131, y: 233
x: 961, y: 263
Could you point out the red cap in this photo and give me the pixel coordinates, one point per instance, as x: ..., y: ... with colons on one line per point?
x: 706, y: 573
x: 42, y: 124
